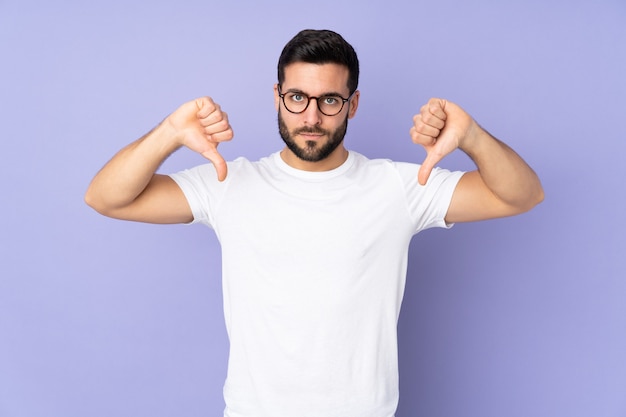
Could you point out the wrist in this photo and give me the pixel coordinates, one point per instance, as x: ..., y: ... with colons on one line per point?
x: 473, y: 139
x: 166, y: 137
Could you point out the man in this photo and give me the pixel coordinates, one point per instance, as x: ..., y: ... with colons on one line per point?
x: 314, y: 237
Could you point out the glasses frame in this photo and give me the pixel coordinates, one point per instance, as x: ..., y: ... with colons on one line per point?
x: 317, y: 102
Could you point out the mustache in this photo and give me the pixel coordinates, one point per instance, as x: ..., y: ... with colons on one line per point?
x: 315, y: 130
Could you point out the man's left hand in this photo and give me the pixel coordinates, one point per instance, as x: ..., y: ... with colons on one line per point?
x: 440, y: 127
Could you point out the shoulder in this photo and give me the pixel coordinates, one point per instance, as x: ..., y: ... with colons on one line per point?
x: 206, y: 172
x: 379, y: 166
x: 405, y: 173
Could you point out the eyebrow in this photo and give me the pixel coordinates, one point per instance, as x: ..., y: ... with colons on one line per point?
x: 298, y: 91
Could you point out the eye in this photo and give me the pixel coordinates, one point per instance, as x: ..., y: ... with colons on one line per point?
x: 296, y: 97
x: 330, y: 100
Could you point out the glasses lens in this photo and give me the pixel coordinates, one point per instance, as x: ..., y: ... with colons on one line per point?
x: 330, y: 105
x: 295, y: 102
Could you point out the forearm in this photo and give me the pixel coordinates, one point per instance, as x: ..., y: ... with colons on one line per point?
x: 129, y: 172
x: 503, y: 171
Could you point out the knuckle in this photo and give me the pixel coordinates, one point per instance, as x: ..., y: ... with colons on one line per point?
x: 222, y: 124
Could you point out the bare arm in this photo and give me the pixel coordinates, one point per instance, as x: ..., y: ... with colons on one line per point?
x: 503, y: 185
x: 127, y: 186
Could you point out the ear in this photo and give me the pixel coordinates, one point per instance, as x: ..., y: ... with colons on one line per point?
x: 354, y: 104
x: 276, y: 97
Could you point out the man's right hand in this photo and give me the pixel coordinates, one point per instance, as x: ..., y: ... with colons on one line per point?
x: 201, y: 125
x: 127, y: 187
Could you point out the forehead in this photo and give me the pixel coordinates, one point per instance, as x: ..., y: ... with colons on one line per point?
x: 316, y: 78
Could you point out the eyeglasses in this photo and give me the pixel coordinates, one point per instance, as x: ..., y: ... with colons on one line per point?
x: 296, y: 102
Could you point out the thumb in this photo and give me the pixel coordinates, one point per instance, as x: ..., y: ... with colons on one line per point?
x: 218, y: 162
x: 426, y: 168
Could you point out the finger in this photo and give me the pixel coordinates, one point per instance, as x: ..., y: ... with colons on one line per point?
x: 423, y: 174
x: 425, y: 141
x: 214, y: 117
x: 422, y: 133
x: 222, y: 136
x: 205, y: 106
x: 428, y: 123
x: 216, y: 128
x: 437, y: 108
x: 431, y: 160
x: 218, y: 162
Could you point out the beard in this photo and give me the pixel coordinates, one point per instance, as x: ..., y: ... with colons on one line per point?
x: 312, y: 151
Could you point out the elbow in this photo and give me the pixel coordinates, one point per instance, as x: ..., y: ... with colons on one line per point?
x: 538, y: 194
x: 534, y: 198
x: 89, y: 198
x: 92, y: 199
x: 525, y: 201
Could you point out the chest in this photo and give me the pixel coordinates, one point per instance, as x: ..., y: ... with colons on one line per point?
x: 319, y: 219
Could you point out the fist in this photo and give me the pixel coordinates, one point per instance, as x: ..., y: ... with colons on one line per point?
x: 440, y: 127
x: 201, y: 126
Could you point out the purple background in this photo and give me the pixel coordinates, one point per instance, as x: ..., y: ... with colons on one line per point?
x: 515, y: 317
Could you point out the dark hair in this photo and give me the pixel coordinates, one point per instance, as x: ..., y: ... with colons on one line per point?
x: 320, y: 47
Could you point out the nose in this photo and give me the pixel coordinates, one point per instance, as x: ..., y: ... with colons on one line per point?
x: 312, y: 114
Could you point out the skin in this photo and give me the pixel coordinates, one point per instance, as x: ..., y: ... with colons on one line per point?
x: 313, y: 151
x: 315, y: 80
x: 503, y: 185
x: 128, y: 188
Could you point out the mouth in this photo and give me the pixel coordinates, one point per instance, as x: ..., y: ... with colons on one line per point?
x: 311, y: 135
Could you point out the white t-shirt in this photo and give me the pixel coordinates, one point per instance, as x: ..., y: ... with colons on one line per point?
x: 314, y: 267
